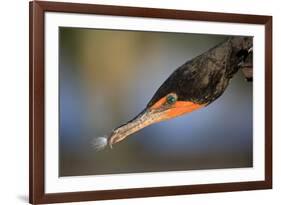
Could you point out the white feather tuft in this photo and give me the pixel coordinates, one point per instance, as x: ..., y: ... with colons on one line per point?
x: 99, y: 143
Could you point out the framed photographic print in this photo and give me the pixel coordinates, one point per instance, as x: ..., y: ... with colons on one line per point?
x: 138, y: 102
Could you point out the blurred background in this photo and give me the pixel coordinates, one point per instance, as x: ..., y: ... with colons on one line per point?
x: 107, y: 77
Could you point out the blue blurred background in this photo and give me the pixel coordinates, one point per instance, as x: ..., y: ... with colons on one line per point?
x: 107, y: 77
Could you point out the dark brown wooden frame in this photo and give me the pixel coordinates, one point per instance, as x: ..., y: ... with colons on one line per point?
x: 37, y: 193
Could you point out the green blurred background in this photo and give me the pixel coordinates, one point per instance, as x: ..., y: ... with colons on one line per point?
x: 106, y: 77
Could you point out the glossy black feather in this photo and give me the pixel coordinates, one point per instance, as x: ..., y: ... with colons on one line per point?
x: 204, y: 78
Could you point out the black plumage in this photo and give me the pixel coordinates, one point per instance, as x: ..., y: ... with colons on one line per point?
x: 204, y: 78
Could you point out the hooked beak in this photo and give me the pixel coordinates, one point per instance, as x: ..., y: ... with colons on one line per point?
x: 144, y: 119
x: 156, y: 113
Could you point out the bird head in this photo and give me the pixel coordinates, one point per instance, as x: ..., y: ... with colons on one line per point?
x: 171, y: 100
x: 161, y: 107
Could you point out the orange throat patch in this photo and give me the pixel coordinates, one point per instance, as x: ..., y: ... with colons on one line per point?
x: 183, y: 107
x: 178, y: 108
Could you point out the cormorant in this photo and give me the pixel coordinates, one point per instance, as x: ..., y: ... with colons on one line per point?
x: 192, y: 86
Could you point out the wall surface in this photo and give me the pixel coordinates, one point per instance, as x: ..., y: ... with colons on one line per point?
x: 14, y: 100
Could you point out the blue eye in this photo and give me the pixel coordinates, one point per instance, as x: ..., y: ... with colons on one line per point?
x: 171, y: 99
